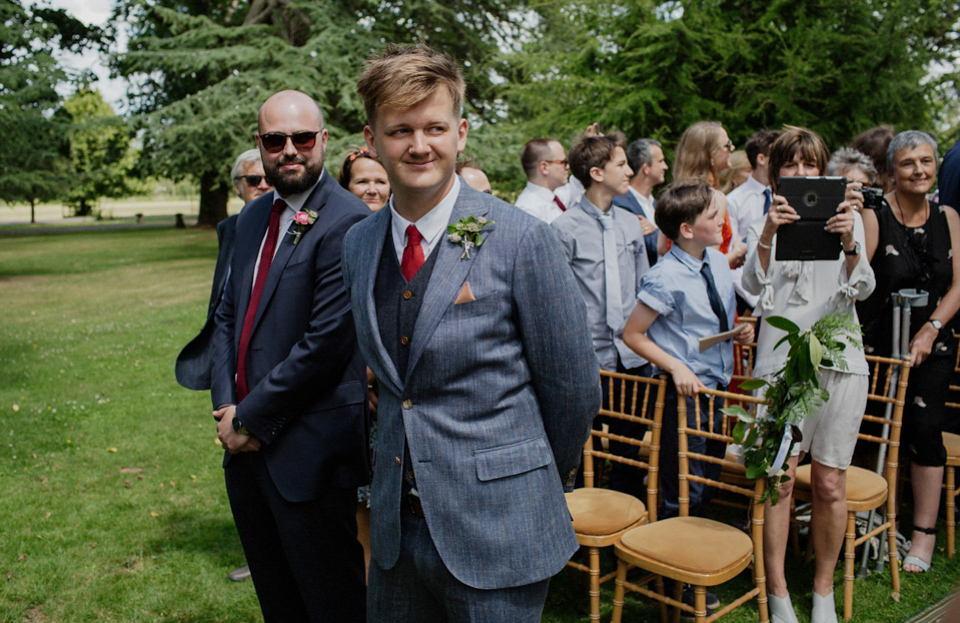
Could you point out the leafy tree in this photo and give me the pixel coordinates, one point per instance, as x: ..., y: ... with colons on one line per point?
x: 33, y: 151
x: 652, y: 68
x: 201, y: 68
x: 99, y: 147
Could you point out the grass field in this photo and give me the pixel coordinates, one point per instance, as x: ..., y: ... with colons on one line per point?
x: 112, y: 506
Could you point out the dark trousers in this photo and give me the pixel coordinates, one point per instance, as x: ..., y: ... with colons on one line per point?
x: 305, y: 560
x: 700, y: 494
x: 624, y: 478
x: 420, y: 588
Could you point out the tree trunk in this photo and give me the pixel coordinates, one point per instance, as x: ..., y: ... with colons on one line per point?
x: 33, y: 214
x: 214, y: 193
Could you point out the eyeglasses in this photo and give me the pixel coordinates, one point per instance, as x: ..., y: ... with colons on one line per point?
x: 728, y: 146
x: 251, y: 180
x: 560, y: 162
x: 274, y: 142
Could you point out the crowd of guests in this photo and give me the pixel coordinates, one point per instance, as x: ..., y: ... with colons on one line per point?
x: 654, y: 273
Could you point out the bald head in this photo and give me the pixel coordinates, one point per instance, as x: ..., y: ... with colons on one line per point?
x: 291, y: 104
x: 291, y: 141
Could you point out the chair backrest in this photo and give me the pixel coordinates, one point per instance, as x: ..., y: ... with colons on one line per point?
x: 705, y: 427
x: 953, y: 400
x: 748, y: 353
x: 883, y: 399
x: 633, y: 399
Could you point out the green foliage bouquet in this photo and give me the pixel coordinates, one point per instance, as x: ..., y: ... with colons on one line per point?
x: 794, y: 393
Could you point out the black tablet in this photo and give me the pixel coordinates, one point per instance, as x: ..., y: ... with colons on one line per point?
x: 816, y: 200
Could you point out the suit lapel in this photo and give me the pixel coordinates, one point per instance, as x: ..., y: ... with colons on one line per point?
x: 285, y: 246
x: 366, y: 276
x: 449, y: 273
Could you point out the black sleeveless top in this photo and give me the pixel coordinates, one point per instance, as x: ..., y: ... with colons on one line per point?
x: 906, y: 257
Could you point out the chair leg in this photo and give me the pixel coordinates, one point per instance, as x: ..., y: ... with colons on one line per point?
x: 848, y: 556
x: 699, y: 603
x: 658, y: 583
x: 618, y: 591
x: 594, y: 583
x: 951, y: 510
x: 678, y: 596
x: 892, y: 547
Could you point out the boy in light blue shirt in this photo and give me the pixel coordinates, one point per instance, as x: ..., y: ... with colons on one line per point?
x: 687, y: 295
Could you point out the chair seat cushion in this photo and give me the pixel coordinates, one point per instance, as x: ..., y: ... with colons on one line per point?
x: 693, y: 545
x: 598, y: 512
x: 862, y: 484
x: 952, y: 442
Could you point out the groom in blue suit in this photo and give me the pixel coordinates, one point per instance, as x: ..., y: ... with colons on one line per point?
x: 488, y: 380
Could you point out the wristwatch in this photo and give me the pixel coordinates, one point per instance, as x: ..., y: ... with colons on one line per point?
x: 854, y: 251
x: 936, y: 324
x: 238, y: 427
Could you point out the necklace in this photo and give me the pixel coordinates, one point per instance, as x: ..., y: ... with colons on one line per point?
x: 903, y: 216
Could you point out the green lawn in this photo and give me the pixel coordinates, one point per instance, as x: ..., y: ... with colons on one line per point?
x: 113, y: 507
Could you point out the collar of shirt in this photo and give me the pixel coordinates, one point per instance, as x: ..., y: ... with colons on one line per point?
x: 587, y: 206
x: 645, y: 202
x: 688, y: 260
x: 541, y: 192
x: 295, y: 203
x: 753, y: 185
x: 431, y: 225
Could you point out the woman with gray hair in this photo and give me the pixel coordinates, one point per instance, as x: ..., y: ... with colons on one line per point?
x: 854, y: 165
x: 914, y: 243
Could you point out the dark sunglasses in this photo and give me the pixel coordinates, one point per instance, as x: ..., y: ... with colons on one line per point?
x: 251, y: 180
x: 275, y: 141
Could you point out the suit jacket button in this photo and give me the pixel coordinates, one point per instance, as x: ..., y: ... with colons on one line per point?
x: 404, y: 340
x: 408, y: 404
x: 397, y: 459
x: 410, y: 475
x: 407, y: 294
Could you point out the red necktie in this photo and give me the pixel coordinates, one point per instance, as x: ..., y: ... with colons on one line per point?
x: 266, y: 258
x: 412, y: 253
x: 559, y: 203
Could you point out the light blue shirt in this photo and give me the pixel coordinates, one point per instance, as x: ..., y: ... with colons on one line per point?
x: 581, y: 237
x: 675, y: 289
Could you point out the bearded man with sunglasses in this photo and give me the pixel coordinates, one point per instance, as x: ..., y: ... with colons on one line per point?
x: 289, y: 385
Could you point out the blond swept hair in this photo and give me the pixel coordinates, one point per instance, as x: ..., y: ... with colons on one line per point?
x: 694, y: 151
x: 404, y: 76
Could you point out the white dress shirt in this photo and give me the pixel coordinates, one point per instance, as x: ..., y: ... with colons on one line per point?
x: 745, y: 205
x: 646, y: 203
x: 539, y: 201
x: 431, y: 225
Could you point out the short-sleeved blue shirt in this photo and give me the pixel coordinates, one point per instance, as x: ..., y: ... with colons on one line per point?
x: 675, y: 289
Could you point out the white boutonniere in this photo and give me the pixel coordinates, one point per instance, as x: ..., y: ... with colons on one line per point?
x: 303, y: 219
x: 467, y: 233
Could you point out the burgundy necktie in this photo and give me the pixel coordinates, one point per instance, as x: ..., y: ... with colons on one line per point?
x: 560, y: 203
x: 412, y: 253
x: 266, y: 258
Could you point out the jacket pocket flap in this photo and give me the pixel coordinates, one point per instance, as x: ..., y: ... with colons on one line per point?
x: 513, y: 459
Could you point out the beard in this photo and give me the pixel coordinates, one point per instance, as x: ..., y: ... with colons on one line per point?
x: 289, y: 183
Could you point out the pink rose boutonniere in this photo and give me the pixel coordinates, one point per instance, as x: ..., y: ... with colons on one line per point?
x: 303, y: 219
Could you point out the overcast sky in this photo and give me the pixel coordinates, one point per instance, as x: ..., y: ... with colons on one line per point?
x: 92, y: 12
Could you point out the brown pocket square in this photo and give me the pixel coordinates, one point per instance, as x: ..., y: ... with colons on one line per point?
x: 465, y: 295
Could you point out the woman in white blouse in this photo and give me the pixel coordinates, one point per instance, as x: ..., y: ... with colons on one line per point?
x: 804, y: 292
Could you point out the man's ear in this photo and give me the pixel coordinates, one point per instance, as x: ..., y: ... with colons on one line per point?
x: 368, y: 139
x: 686, y: 230
x: 596, y: 174
x: 645, y: 169
x: 762, y: 160
x: 542, y: 167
